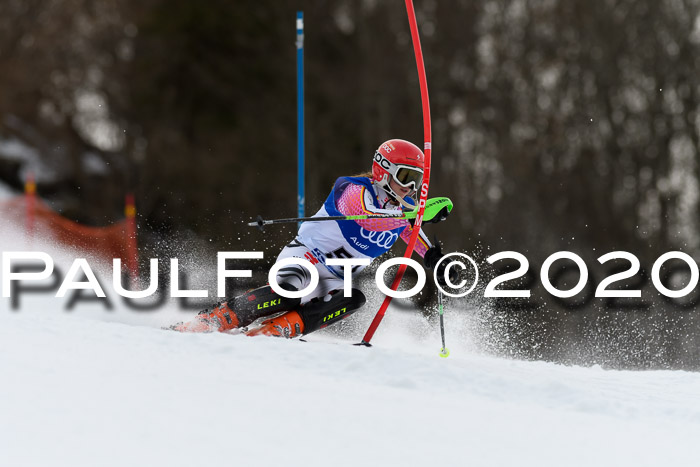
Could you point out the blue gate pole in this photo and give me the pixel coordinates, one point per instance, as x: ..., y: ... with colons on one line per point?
x: 300, y: 113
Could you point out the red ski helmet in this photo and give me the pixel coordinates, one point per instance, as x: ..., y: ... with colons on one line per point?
x: 401, y: 161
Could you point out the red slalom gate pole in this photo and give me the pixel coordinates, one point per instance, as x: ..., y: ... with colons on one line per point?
x: 426, y: 171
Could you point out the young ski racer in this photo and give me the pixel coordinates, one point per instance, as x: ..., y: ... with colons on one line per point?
x: 397, y: 173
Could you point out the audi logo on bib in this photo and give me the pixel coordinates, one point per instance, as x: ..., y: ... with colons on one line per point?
x: 383, y: 239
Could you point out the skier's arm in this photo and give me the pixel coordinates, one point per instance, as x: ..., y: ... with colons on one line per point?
x: 422, y: 244
x: 355, y: 201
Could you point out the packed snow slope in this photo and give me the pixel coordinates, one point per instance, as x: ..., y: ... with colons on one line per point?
x: 110, y: 388
x: 81, y: 392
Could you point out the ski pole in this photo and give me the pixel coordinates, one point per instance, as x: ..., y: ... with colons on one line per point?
x: 435, y: 207
x: 444, y: 352
x: 261, y: 223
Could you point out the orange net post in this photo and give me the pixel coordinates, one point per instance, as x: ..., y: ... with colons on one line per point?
x: 132, y: 254
x: 30, y: 205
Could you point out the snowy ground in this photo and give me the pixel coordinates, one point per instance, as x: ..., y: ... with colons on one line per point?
x: 80, y: 392
x: 5, y: 192
x: 90, y: 387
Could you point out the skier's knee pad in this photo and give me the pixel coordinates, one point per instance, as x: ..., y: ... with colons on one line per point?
x: 260, y: 302
x: 318, y: 314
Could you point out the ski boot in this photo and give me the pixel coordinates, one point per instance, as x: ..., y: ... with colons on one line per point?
x: 239, y: 312
x: 288, y: 325
x: 221, y: 318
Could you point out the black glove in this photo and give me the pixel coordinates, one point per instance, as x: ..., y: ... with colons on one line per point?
x: 433, y: 257
x: 441, y: 216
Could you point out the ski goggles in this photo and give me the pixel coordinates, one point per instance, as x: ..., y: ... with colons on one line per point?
x: 406, y: 176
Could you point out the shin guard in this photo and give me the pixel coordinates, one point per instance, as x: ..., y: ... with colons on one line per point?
x: 259, y: 303
x: 317, y: 314
x: 239, y: 311
x: 312, y: 316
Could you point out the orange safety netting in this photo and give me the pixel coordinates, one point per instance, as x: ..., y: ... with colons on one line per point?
x: 36, y: 218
